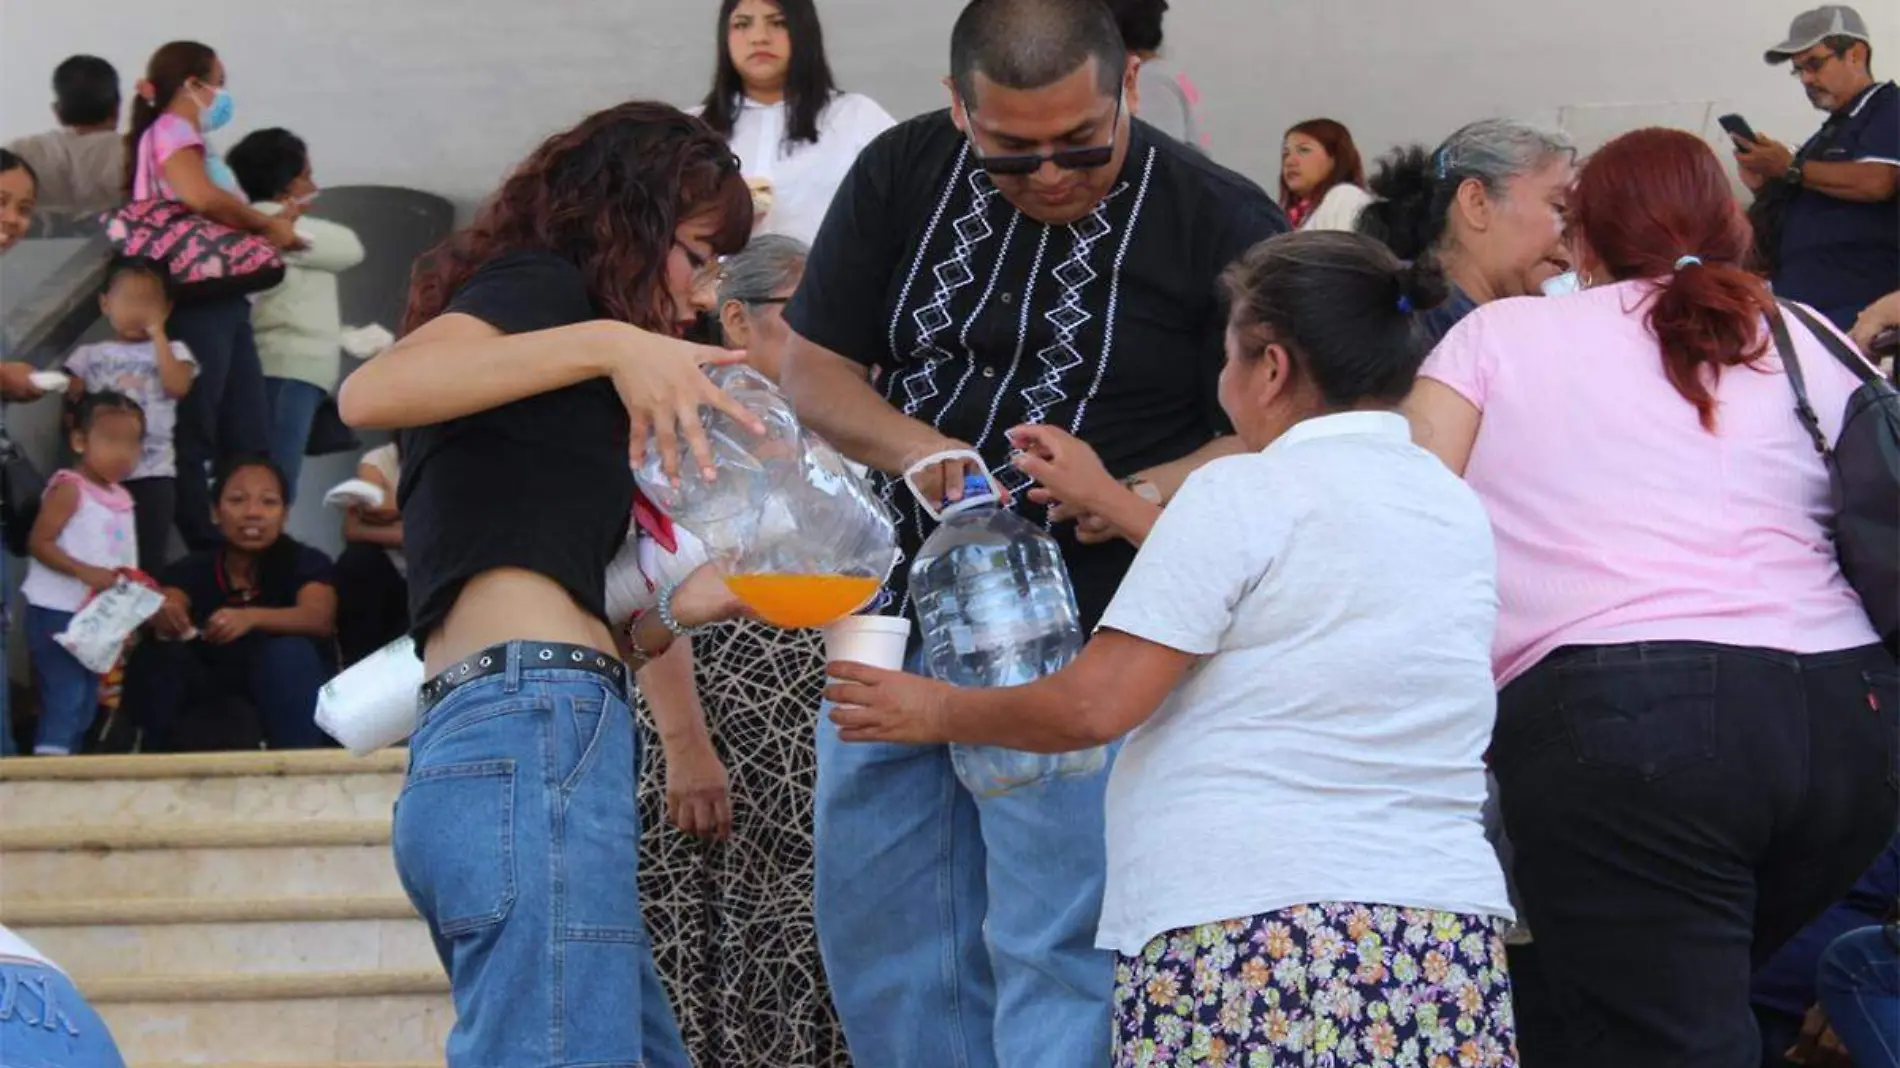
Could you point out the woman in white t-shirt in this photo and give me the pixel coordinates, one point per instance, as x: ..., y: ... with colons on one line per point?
x: 774, y: 100
x: 1299, y: 658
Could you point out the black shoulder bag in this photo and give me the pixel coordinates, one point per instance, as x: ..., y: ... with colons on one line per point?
x: 1864, y: 466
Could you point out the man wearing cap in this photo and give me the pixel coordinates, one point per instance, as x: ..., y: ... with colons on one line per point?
x: 1837, y: 245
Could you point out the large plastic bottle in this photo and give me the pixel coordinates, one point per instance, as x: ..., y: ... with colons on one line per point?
x: 995, y: 608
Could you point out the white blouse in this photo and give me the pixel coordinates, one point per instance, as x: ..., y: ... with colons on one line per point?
x: 1339, y: 209
x: 804, y: 175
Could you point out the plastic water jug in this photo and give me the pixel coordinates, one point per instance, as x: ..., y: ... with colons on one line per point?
x: 804, y: 537
x: 995, y: 608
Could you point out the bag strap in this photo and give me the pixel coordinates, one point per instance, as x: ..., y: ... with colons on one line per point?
x: 1831, y: 341
x: 1791, y: 365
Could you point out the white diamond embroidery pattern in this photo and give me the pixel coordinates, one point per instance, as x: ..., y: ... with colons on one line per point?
x: 933, y: 318
x: 1068, y: 316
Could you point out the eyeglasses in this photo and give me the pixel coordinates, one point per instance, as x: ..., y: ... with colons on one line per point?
x: 1811, y: 66
x: 1069, y: 159
x: 755, y: 301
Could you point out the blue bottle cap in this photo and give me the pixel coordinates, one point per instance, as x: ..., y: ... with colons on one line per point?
x: 975, y: 485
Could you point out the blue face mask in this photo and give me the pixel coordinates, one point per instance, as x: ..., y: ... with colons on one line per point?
x: 1562, y: 285
x: 216, y: 114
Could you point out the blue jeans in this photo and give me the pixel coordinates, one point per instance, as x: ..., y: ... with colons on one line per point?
x: 45, y: 1023
x: 1859, y: 986
x: 69, y: 690
x: 517, y: 836
x: 956, y: 930
x: 293, y: 408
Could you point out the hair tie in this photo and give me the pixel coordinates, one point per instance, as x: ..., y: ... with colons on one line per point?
x: 1688, y: 261
x: 147, y: 91
x: 1405, y: 304
x: 1440, y: 164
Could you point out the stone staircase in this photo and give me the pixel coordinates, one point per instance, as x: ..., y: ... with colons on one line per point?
x: 226, y: 909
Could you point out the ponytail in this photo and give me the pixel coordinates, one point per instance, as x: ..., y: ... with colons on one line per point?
x: 170, y: 68
x: 1656, y: 204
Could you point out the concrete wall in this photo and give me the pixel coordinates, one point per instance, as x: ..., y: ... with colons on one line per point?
x: 444, y: 94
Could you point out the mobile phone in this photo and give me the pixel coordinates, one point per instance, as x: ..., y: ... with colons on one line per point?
x: 1738, y: 128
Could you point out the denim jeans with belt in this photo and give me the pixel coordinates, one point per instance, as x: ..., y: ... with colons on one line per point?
x: 517, y: 837
x: 1678, y: 811
x: 45, y: 1023
x: 958, y: 931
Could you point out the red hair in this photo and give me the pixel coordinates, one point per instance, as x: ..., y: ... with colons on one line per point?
x: 606, y: 196
x: 1642, y: 203
x: 1348, y: 168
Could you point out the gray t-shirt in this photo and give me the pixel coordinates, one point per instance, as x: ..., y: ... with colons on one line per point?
x: 80, y: 174
x: 1170, y: 102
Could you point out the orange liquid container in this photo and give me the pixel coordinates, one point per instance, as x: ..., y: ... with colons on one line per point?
x: 798, y: 601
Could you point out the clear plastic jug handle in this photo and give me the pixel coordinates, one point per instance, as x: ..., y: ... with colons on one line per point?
x: 935, y: 508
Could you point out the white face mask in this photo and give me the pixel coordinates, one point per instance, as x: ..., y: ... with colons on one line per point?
x: 1562, y: 285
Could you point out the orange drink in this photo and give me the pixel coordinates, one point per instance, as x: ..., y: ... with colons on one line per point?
x: 799, y: 601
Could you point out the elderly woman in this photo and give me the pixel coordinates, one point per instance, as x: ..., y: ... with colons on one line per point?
x: 1487, y: 206
x: 731, y: 916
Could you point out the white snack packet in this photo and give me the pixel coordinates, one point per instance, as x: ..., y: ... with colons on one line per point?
x: 96, y: 636
x: 374, y: 704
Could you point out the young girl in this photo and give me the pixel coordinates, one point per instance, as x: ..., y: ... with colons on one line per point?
x: 143, y: 363
x: 1299, y: 658
x: 83, y: 538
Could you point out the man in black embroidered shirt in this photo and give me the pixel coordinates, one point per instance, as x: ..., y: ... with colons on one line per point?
x: 1032, y: 255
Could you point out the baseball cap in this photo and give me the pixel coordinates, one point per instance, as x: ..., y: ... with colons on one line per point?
x: 1810, y: 28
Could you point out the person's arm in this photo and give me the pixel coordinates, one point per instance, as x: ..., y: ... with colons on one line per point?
x: 697, y: 801
x: 457, y: 365
x: 174, y: 374
x: 186, y: 175
x: 313, y: 616
x: 56, y: 510
x: 1444, y: 423
x: 16, y: 383
x: 1867, y: 181
x: 833, y: 396
x: 702, y: 598
x: 1169, y: 477
x: 1881, y: 315
x: 1114, y: 686
x: 374, y: 526
x: 1070, y: 479
x: 173, y: 619
x: 329, y: 247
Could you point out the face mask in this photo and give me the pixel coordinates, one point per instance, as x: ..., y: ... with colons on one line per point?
x: 1562, y: 285
x: 304, y: 201
x: 216, y: 114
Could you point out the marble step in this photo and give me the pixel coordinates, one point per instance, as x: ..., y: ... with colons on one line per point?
x: 189, y: 860
x: 322, y: 1019
x: 268, y: 948
x: 199, y: 788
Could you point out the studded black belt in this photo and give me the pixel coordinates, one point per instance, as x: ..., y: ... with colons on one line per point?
x: 529, y: 657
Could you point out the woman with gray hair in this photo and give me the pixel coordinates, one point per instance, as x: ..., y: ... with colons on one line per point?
x: 728, y: 889
x: 1487, y: 205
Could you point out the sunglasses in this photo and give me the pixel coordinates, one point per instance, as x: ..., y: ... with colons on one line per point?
x: 1069, y: 159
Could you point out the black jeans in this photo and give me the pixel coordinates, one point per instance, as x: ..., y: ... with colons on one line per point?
x: 1678, y: 811
x: 372, y: 601
x: 226, y: 415
x: 155, y: 503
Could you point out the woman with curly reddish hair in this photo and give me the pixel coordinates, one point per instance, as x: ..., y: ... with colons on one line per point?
x: 540, y: 351
x: 1695, y: 732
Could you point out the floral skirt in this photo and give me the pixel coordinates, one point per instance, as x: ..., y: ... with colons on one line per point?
x: 1317, y: 986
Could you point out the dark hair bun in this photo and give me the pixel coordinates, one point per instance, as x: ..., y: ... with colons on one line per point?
x: 1400, y: 216
x: 1422, y: 286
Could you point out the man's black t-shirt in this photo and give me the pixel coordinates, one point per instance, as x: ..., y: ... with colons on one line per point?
x: 979, y: 318
x: 542, y: 484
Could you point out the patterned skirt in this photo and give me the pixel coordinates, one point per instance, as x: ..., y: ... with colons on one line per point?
x: 732, y: 923
x: 1318, y: 986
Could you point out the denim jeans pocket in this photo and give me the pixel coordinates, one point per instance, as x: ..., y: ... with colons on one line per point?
x: 1647, y: 718
x: 1883, y: 701
x: 454, y: 841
